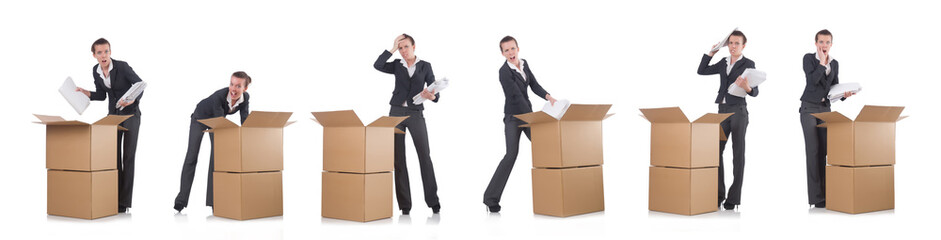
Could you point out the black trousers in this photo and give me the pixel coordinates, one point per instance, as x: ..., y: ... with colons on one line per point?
x: 815, y: 145
x: 512, y: 132
x: 735, y: 126
x: 127, y: 153
x: 415, y: 124
x: 189, y: 164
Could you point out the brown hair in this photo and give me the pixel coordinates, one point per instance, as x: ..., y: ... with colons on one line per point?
x: 100, y: 41
x: 823, y: 32
x: 243, y: 75
x: 740, y: 34
x: 410, y: 39
x: 507, y: 39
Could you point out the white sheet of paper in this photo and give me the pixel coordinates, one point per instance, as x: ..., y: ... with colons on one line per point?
x: 557, y: 110
x: 131, y: 93
x: 77, y: 99
x: 836, y: 91
x: 754, y: 78
x: 437, y: 86
x: 724, y: 42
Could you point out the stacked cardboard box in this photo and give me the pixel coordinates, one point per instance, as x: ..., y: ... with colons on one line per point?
x: 684, y: 161
x: 357, y: 166
x: 248, y: 163
x: 567, y: 159
x: 861, y: 157
x: 81, y: 163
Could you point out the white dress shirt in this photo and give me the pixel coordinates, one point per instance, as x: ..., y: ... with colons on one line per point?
x: 232, y: 107
x: 107, y: 80
x: 728, y: 69
x: 519, y: 70
x: 828, y: 62
x: 411, y: 71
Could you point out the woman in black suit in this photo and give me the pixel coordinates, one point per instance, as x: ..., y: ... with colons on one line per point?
x: 515, y: 77
x: 411, y: 76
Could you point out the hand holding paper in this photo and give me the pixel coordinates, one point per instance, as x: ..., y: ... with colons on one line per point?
x: 837, y: 91
x: 723, y: 43
x: 435, y: 87
x: 77, y: 99
x: 131, y: 95
x: 558, y: 109
x: 753, y: 76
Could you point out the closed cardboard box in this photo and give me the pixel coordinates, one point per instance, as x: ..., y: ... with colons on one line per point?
x: 349, y: 146
x: 677, y: 142
x: 860, y: 189
x: 359, y: 197
x: 868, y: 141
x: 573, y: 140
x: 244, y: 196
x: 568, y: 191
x: 82, y: 194
x: 683, y: 191
x: 256, y: 146
x: 75, y: 145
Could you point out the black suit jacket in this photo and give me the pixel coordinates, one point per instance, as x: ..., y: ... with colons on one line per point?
x: 216, y: 106
x: 514, y: 89
x: 122, y: 77
x: 727, y: 79
x: 406, y: 87
x: 818, y: 82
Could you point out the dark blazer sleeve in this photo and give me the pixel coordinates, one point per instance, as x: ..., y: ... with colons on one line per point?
x: 381, y: 63
x: 754, y: 90
x: 99, y: 93
x: 510, y: 90
x: 131, y: 77
x: 705, y: 68
x: 533, y: 84
x: 815, y: 73
x: 243, y: 109
x: 429, y: 79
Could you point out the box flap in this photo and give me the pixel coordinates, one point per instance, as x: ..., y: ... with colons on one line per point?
x: 664, y: 115
x: 713, y: 117
x: 872, y: 113
x: 47, y: 118
x: 113, y: 119
x: 536, y: 117
x: 399, y: 131
x: 218, y: 122
x: 289, y: 123
x: 902, y: 117
x: 267, y: 119
x: 830, y: 117
x: 57, y: 121
x: 607, y: 116
x: 586, y: 112
x: 722, y: 135
x: 387, y: 122
x: 345, y: 118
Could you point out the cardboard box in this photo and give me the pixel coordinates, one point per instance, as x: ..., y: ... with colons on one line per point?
x: 683, y: 191
x: 75, y: 145
x: 564, y: 192
x: 82, y: 194
x: 868, y: 141
x: 572, y: 141
x: 860, y: 189
x: 244, y: 196
x: 256, y: 146
x: 349, y: 146
x: 359, y: 197
x: 676, y: 142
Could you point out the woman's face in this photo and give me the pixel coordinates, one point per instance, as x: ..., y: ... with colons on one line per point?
x: 406, y: 49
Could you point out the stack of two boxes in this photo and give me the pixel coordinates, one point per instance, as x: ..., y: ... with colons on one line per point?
x: 248, y: 164
x: 567, y: 159
x: 357, y: 166
x: 81, y: 163
x: 684, y: 161
x: 861, y: 156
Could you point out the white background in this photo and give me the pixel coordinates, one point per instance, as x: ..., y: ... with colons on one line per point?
x: 317, y: 56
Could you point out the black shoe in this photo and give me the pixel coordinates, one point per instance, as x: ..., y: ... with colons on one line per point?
x: 729, y: 206
x: 122, y: 209
x: 494, y: 208
x: 436, y: 209
x: 405, y: 211
x: 821, y: 204
x: 178, y: 207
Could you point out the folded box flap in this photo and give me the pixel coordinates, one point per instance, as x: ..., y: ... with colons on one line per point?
x: 387, y: 122
x: 44, y: 119
x: 830, y: 117
x: 218, y: 123
x: 344, y: 118
x: 113, y: 119
x: 536, y: 117
x: 664, y: 115
x: 713, y: 118
x: 586, y: 112
x: 871, y: 113
x: 608, y: 115
x: 267, y: 119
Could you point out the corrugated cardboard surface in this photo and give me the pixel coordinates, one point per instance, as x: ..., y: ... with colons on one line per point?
x: 82, y: 194
x: 670, y: 144
x: 568, y: 191
x: 676, y: 142
x: 860, y: 189
x: 683, y: 191
x: 867, y: 141
x: 243, y: 196
x: 572, y: 141
x: 353, y: 148
x: 81, y: 148
x: 262, y: 150
x: 256, y: 146
x: 356, y: 196
x: 344, y: 149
